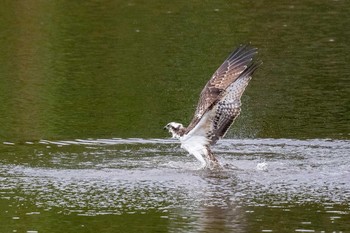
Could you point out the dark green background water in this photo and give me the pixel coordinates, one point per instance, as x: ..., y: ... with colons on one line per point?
x: 74, y: 70
x: 78, y: 69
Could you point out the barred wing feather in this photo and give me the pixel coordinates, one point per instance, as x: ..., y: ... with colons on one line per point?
x: 216, y: 122
x: 223, y: 77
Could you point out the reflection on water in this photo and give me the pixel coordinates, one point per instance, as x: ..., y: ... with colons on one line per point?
x: 301, y: 183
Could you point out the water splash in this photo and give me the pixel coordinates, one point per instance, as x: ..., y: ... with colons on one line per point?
x: 135, y: 176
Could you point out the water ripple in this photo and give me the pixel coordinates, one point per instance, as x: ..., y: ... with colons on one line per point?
x: 124, y: 175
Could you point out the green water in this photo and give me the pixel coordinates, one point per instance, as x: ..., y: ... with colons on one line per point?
x: 76, y: 75
x: 78, y: 69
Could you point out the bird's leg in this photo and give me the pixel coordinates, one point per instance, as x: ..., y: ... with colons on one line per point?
x: 212, y: 161
x: 210, y: 156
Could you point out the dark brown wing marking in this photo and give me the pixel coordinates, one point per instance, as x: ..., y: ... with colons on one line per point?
x: 226, y: 74
x: 228, y: 107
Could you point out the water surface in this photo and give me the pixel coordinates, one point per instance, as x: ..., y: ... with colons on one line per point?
x: 264, y: 185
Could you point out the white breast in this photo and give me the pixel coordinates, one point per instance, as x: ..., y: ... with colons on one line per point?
x: 196, y: 141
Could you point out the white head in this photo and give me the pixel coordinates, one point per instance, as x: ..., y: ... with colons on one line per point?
x: 176, y: 129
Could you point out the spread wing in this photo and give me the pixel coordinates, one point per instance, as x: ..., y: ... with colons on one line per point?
x: 217, y: 120
x: 228, y: 107
x: 226, y: 74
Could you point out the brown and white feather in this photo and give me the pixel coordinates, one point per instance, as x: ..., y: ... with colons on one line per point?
x: 218, y: 106
x: 217, y: 120
x: 226, y: 74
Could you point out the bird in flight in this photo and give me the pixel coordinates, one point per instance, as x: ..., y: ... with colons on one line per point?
x: 218, y: 106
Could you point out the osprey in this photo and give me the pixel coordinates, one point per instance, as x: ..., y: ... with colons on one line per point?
x: 219, y: 105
